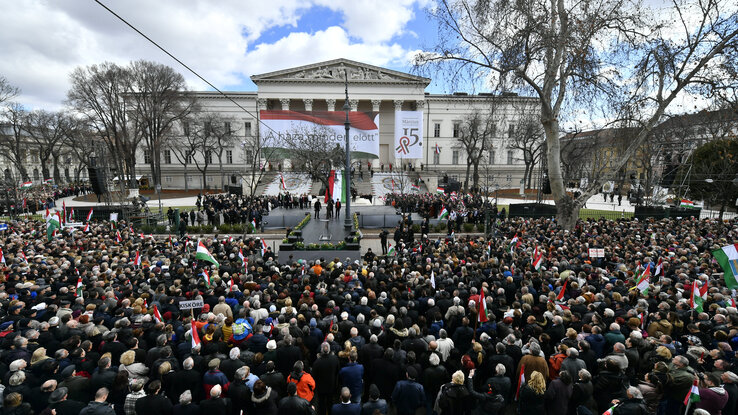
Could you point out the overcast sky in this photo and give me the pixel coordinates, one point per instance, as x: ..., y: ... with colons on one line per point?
x: 226, y: 41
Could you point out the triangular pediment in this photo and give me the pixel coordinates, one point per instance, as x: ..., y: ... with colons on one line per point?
x: 336, y: 70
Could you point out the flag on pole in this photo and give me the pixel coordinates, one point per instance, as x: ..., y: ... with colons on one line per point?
x: 206, y: 277
x: 204, y: 255
x: 698, y: 296
x: 253, y: 224
x: 114, y: 219
x: 137, y: 262
x: 230, y: 285
x: 693, y: 395
x: 443, y: 214
x: 157, y: 315
x: 685, y: 203
x: 727, y: 257
x: 52, y: 224
x: 2, y: 256
x: 537, y: 259
x: 87, y: 228
x: 282, y: 183
x: 489, y: 249
x: 643, y: 280
x: 391, y: 250
x: 440, y: 190
x: 415, y: 187
x: 482, y: 310
x: 263, y: 247
x: 514, y: 243
x: 659, y: 268
x: 23, y: 255
x: 26, y: 185
x: 89, y: 215
x: 193, y: 334
x: 437, y: 150
x: 521, y: 380
x: 610, y: 411
x: 560, y: 296
x: 244, y: 260
x: 78, y: 289
x: 118, y: 238
x: 70, y: 218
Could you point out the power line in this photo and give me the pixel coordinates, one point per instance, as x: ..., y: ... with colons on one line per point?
x: 182, y: 63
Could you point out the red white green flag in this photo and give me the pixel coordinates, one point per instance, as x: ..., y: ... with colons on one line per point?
x: 203, y: 254
x: 482, y: 313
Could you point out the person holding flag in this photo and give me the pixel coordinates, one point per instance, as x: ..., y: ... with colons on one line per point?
x: 203, y: 254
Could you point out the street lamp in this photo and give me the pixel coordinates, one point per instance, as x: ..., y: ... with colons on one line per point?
x: 348, y: 221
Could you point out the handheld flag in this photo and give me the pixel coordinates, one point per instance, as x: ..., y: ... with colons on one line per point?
x: 391, y: 250
x: 521, y: 380
x: 482, y: 310
x: 433, y: 280
x: 727, y: 257
x: 70, y: 218
x: 560, y: 296
x: 87, y: 228
x: 253, y: 224
x: 230, y: 285
x: 698, y: 296
x: 693, y: 395
x: 443, y: 214
x: 244, y: 260
x: 26, y: 185
x: 89, y: 215
x: 206, y: 277
x: 610, y: 411
x: 137, y: 262
x: 440, y: 190
x: 514, y: 243
x: 643, y: 279
x: 157, y: 315
x: 78, y: 289
x: 537, y: 259
x: 282, y: 183
x: 204, y: 255
x: 687, y: 204
x: 659, y: 268
x: 2, y: 256
x: 118, y: 237
x: 52, y: 224
x: 194, y: 335
x: 263, y: 247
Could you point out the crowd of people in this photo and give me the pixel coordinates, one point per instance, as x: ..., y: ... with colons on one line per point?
x: 101, y: 322
x: 461, y: 208
x: 36, y: 198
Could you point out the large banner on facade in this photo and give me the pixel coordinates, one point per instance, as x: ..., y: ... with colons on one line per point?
x: 408, y: 134
x: 281, y: 129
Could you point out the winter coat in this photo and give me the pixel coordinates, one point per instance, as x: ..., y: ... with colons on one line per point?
x: 582, y: 395
x: 713, y: 400
x: 294, y: 405
x: 433, y: 378
x: 453, y: 399
x: 533, y: 364
x: 573, y: 366
x: 352, y: 377
x: 97, y: 408
x: 608, y: 386
x: 408, y: 396
x: 530, y: 402
x: 305, y: 384
x: 631, y: 407
x: 265, y: 404
x: 325, y: 371
x: 651, y: 395
x: 557, y: 397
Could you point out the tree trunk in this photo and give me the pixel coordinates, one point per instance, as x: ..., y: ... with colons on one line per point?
x: 567, y: 211
x: 45, y: 169
x: 57, y: 173
x: 185, y: 178
x: 475, y: 175
x: 468, y: 171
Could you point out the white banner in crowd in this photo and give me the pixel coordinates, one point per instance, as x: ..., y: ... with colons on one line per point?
x: 408, y: 134
x: 278, y: 126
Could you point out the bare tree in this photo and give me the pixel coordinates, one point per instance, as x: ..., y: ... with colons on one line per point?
x: 312, y: 151
x: 184, y: 146
x: 13, y: 141
x: 477, y: 131
x: 7, y: 91
x: 554, y: 49
x: 211, y: 136
x: 256, y: 151
x: 158, y: 94
x: 48, y: 132
x: 101, y: 93
x: 527, y: 137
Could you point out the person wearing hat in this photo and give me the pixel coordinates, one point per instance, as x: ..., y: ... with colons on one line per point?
x: 214, y: 376
x: 408, y: 395
x: 78, y: 387
x: 59, y: 402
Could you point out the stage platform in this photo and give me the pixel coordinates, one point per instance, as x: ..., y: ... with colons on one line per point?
x: 370, y: 217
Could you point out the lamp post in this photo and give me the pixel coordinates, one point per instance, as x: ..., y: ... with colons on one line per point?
x: 348, y: 221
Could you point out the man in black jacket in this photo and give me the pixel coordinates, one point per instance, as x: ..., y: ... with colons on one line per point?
x: 239, y: 392
x: 104, y: 377
x: 58, y: 402
x: 216, y: 405
x: 153, y: 403
x: 325, y: 373
x: 293, y: 404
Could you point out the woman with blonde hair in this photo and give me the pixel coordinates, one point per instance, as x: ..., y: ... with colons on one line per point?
x: 532, y: 395
x: 136, y: 370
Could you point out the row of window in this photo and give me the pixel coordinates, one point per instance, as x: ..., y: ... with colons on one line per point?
x: 208, y: 156
x: 455, y: 157
x: 227, y: 128
x: 457, y: 130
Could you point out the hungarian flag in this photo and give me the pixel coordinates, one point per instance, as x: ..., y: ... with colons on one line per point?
x: 643, y: 280
x: 693, y: 395
x: 23, y: 255
x: 610, y: 411
x: 437, y: 150
x: 537, y: 259
x: 244, y: 260
x: 118, y: 238
x: 514, y: 243
x: 443, y: 214
x: 70, y: 218
x: 482, y: 312
x: 231, y: 285
x: 64, y: 209
x: 263, y: 247
x: 282, y: 183
x: 114, y: 219
x: 194, y: 335
x: 336, y: 186
x: 433, y: 280
x: 253, y: 224
x: 2, y: 256
x: 521, y: 380
x: 206, y: 277
x: 391, y: 250
x: 157, y: 315
x: 489, y: 249
x: 48, y: 181
x: 415, y: 187
x: 659, y: 268
x: 89, y: 215
x: 52, y: 224
x: 687, y: 204
x: 78, y: 289
x: 699, y: 294
x: 87, y: 228
x: 203, y: 254
x: 560, y: 296
x: 137, y: 262
x: 732, y: 302
x: 26, y: 185
x: 727, y: 257
x: 440, y: 190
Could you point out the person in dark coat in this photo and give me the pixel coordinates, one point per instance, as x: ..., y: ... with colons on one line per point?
x: 501, y: 383
x: 276, y: 380
x: 153, y: 402
x: 433, y: 378
x: 346, y: 406
x: 558, y: 394
x: 408, y: 394
x: 352, y: 377
x: 185, y: 405
x: 375, y: 403
x: 217, y: 404
x: 293, y: 404
x: 104, y: 377
x: 239, y: 392
x: 582, y: 393
x: 610, y: 384
x: 100, y: 406
x: 532, y: 395
x: 386, y: 373
x: 264, y: 399
x: 633, y: 404
x: 13, y: 405
x: 59, y: 401
x: 453, y: 398
x: 730, y: 384
x: 325, y: 373
x: 188, y: 379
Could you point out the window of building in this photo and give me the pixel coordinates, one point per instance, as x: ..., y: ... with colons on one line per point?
x: 167, y: 156
x: 508, y: 178
x: 437, y: 129
x: 147, y: 156
x: 36, y: 175
x: 34, y: 157
x: 491, y: 157
x: 228, y: 128
x: 186, y: 128
x: 436, y: 158
x: 189, y: 178
x: 247, y: 129
x: 229, y: 156
x: 208, y: 127
x: 248, y: 156
x: 457, y: 129
x: 210, y: 179
x: 209, y: 157
x: 509, y: 157
x: 167, y: 179
x: 455, y: 157
x: 511, y: 130
x: 188, y: 159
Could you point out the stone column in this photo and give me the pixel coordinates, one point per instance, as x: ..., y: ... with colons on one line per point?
x: 331, y: 103
x: 375, y: 104
x: 261, y: 103
x: 285, y: 103
x: 308, y: 104
x: 398, y: 104
x: 354, y: 104
x: 420, y: 104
